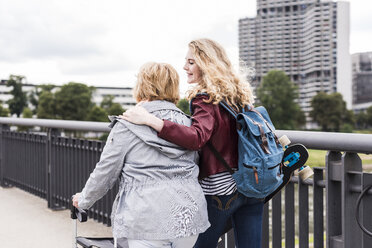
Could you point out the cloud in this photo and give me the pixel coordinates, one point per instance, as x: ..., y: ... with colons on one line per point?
x: 96, y: 65
x: 30, y: 31
x: 105, y: 42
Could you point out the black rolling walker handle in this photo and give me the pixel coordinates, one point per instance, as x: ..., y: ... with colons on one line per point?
x: 76, y: 214
x: 369, y: 233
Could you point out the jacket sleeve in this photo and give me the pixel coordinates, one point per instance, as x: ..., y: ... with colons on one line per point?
x: 108, y: 169
x: 200, y: 131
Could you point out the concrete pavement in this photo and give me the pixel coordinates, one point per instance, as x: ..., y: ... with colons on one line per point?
x: 26, y: 221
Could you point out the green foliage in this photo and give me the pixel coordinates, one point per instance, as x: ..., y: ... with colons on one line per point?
x: 107, y: 101
x: 361, y: 120
x: 110, y: 106
x: 184, y: 105
x: 73, y: 101
x: 369, y: 116
x: 329, y: 111
x: 97, y: 114
x: 115, y: 109
x: 19, y: 100
x: 347, y: 128
x: 34, y: 95
x: 278, y: 95
x: 46, y: 106
x: 4, y: 112
x: 27, y: 113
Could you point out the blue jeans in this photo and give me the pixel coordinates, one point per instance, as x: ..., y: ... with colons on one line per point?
x: 245, y: 215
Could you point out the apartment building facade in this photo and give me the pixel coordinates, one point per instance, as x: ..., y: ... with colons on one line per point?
x: 122, y: 95
x: 362, y: 81
x: 307, y: 39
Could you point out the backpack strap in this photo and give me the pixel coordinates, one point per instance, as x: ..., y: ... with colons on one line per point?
x: 219, y: 157
x: 267, y: 124
x: 264, y: 144
x: 226, y: 106
x: 190, y: 104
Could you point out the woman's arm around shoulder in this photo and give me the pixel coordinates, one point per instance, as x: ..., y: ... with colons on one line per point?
x: 193, y: 137
x: 200, y: 131
x: 140, y: 116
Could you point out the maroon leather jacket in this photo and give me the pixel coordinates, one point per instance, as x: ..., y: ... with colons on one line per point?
x: 210, y: 122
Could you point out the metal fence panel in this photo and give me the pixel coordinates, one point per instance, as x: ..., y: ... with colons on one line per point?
x: 55, y: 167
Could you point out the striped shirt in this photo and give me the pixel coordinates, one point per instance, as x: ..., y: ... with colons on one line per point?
x: 219, y: 184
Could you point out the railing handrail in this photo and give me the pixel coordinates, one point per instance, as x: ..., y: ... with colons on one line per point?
x: 62, y: 124
x: 341, y: 142
x: 345, y: 142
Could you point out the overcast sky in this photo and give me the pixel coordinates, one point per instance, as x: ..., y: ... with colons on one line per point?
x: 103, y: 43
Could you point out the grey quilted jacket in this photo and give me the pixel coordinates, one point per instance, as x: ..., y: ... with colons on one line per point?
x: 159, y: 195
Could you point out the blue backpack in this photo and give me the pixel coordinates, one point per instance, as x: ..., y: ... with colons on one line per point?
x: 259, y: 151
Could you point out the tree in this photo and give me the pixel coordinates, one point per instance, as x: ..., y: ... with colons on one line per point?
x: 361, y: 120
x: 26, y: 113
x: 329, y: 111
x: 73, y: 101
x: 369, y: 116
x: 97, y: 114
x: 184, y: 105
x: 4, y: 112
x: 115, y: 109
x: 19, y: 100
x: 46, y: 106
x: 111, y: 107
x: 278, y: 95
x: 107, y: 101
x: 34, y: 95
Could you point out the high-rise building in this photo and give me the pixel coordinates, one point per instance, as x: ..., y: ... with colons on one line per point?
x: 362, y: 81
x: 307, y: 39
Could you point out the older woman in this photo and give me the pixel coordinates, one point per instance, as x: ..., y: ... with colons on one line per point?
x: 160, y: 202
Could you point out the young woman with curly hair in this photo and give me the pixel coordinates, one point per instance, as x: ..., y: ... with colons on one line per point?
x: 208, y: 67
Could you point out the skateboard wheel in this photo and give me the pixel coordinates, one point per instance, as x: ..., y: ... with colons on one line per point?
x: 305, y: 173
x: 284, y: 141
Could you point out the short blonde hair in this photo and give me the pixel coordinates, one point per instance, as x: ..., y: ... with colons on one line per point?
x: 157, y: 81
x: 219, y: 78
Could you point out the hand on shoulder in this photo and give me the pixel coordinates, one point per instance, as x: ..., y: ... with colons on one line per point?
x: 136, y: 115
x: 140, y: 116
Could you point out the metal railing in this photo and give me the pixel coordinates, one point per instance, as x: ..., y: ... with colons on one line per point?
x: 54, y: 167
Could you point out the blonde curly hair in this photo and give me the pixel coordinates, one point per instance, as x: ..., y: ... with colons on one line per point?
x: 219, y: 79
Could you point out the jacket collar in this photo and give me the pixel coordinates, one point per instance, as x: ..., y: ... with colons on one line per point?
x: 157, y: 105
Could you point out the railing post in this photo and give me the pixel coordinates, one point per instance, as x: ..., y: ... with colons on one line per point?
x: 333, y: 186
x: 290, y: 211
x: 365, y: 208
x: 352, y: 169
x: 276, y: 211
x: 303, y: 212
x: 318, y: 208
x: 3, y: 127
x: 49, y: 176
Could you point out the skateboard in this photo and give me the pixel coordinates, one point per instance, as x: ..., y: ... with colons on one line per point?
x: 294, y: 157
